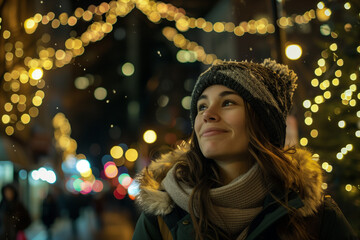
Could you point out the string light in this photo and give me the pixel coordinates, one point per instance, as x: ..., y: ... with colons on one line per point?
x: 180, y: 41
x: 307, y: 104
x: 50, y: 58
x: 293, y: 51
x: 333, y: 86
x: 303, y: 141
x: 315, y: 82
x: 347, y: 6
x: 315, y: 157
x: 308, y: 121
x: 314, y: 133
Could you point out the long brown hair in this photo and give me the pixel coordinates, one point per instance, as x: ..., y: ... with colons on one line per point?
x: 203, y: 174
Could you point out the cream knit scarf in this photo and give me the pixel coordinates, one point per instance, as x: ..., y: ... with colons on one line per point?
x: 236, y: 204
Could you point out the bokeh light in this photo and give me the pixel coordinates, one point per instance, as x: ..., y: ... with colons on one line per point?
x: 51, y: 177
x: 119, y: 192
x: 163, y: 100
x: 128, y: 69
x: 131, y: 155
x: 110, y: 170
x: 98, y: 186
x: 100, y: 93
x: 81, y: 83
x: 303, y: 141
x: 83, y: 165
x: 86, y: 174
x: 134, y: 189
x: 293, y: 51
x: 86, y: 187
x: 35, y: 175
x: 341, y: 124
x: 23, y: 174
x: 185, y: 102
x: 77, y: 184
x: 30, y: 26
x: 150, y: 136
x: 36, y: 73
x: 125, y: 180
x: 44, y: 174
x: 116, y: 152
x: 307, y: 104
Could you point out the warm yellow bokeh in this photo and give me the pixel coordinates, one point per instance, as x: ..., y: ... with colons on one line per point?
x: 293, y: 51
x: 150, y: 136
x: 131, y: 155
x: 116, y: 152
x: 36, y: 73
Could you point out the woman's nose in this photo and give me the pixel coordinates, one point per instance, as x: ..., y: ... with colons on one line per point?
x: 210, y: 114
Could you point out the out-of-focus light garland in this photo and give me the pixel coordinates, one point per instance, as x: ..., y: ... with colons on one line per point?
x: 349, y: 98
x: 156, y: 10
x: 22, y: 106
x: 63, y: 141
x: 192, y: 47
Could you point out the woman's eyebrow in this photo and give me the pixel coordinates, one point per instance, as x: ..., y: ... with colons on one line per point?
x: 225, y: 93
x: 202, y: 97
x: 222, y: 94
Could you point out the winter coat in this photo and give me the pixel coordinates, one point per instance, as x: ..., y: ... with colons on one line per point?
x: 323, y: 218
x: 14, y: 217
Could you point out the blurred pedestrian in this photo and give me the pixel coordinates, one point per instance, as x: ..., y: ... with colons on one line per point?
x: 235, y: 179
x: 73, y: 205
x: 14, y: 217
x: 49, y: 213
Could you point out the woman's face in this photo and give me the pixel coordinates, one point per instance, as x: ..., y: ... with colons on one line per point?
x: 220, y: 124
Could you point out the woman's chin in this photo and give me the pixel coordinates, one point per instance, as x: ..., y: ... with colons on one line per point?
x: 212, y: 154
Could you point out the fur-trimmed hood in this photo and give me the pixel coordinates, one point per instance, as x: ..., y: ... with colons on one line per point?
x: 154, y: 200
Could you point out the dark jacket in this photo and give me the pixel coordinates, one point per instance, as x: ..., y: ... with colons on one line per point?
x: 14, y: 217
x: 323, y: 218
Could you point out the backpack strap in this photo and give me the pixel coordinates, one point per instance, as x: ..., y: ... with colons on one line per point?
x: 164, y: 229
x: 170, y: 221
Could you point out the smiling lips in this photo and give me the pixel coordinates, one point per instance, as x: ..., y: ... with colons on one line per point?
x: 212, y: 131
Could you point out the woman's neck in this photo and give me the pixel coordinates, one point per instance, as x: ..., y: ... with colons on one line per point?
x: 229, y: 170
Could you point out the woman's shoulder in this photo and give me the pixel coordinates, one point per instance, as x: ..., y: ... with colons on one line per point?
x: 152, y: 198
x: 176, y: 223
x: 333, y: 223
x: 177, y: 215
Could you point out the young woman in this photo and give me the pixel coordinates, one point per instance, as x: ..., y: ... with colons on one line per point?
x: 234, y: 179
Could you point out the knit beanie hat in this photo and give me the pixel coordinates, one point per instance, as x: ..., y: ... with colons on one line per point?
x: 268, y: 87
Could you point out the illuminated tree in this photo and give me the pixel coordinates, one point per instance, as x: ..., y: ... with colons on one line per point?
x: 333, y: 115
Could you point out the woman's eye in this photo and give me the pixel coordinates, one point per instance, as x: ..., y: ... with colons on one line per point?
x: 201, y: 107
x: 228, y: 103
